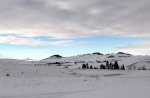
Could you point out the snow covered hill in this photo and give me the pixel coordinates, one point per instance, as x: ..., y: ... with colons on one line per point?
x: 130, y: 61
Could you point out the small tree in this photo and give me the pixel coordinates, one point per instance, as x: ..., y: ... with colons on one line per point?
x: 91, y: 67
x: 122, y: 67
x: 87, y: 66
x: 83, y: 66
x: 102, y: 66
x: 107, y: 65
x: 116, y: 65
x: 111, y: 65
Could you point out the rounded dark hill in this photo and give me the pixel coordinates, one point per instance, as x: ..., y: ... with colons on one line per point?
x: 97, y: 53
x: 124, y: 53
x: 54, y: 57
x: 57, y: 56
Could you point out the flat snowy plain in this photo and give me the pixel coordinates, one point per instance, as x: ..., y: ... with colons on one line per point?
x: 29, y: 81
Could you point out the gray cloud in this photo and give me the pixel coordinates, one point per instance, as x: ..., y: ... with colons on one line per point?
x: 75, y: 18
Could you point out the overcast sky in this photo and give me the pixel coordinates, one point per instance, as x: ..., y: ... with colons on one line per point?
x: 69, y: 27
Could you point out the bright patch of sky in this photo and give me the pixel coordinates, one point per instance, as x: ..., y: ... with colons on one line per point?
x: 103, y: 44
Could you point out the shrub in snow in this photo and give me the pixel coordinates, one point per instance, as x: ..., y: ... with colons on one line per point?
x: 7, y: 74
x: 87, y: 66
x: 111, y: 65
x: 102, y: 66
x: 95, y: 68
x: 107, y: 65
x: 143, y: 68
x: 91, y: 67
x: 122, y: 67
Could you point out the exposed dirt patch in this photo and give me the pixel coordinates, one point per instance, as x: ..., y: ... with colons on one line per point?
x: 76, y: 74
x: 112, y: 75
x: 83, y: 75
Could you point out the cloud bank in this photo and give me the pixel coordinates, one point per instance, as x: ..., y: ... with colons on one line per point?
x: 33, y: 42
x: 75, y: 18
x: 138, y: 48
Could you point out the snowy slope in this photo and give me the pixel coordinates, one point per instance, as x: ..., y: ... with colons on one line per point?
x: 97, y: 60
x: 37, y: 79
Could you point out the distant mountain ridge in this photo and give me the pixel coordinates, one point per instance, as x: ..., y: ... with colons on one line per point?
x: 97, y: 58
x: 57, y: 56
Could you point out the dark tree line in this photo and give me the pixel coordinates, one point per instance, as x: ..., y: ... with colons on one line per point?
x: 112, y: 66
x: 86, y: 66
x: 107, y: 66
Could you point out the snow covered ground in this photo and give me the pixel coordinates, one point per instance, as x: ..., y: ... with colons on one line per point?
x: 24, y: 79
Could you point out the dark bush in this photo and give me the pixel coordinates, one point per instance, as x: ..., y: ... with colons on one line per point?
x: 91, y: 67
x: 102, y: 66
x: 122, y: 67
x: 7, y: 74
x: 83, y: 66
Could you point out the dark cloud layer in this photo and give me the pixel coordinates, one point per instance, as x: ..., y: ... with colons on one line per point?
x: 75, y: 18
